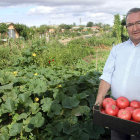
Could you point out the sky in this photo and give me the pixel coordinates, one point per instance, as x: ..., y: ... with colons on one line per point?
x: 56, y: 12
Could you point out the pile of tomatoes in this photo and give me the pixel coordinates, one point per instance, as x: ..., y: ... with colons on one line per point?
x: 122, y: 108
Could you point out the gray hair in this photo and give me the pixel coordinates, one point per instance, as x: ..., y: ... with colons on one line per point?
x: 133, y: 10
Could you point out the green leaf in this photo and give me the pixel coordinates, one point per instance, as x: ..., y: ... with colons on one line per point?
x: 4, y: 129
x: 6, y: 87
x: 55, y: 128
x: 15, y: 117
x: 34, y: 108
x: 68, y: 127
x: 47, y: 103
x: 72, y: 119
x: 79, y: 135
x: 29, y: 127
x: 8, y: 94
x: 92, y: 82
x: 91, y: 100
x: 4, y: 136
x: 55, y: 82
x: 16, y: 128
x: 25, y: 99
x: 80, y: 110
x: 82, y: 96
x: 37, y: 86
x: 54, y: 110
x: 98, y: 129
x: 37, y: 120
x: 93, y: 130
x: 58, y: 95
x: 41, y: 87
x: 22, y: 116
x: 20, y: 81
x: 5, y: 77
x: 73, y: 89
x: 70, y: 102
x: 9, y: 106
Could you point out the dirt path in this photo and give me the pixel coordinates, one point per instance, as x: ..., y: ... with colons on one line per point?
x: 65, y: 41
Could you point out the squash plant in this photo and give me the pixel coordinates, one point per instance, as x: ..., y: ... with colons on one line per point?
x: 48, y: 103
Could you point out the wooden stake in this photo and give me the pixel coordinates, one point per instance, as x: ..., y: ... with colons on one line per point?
x: 96, y: 58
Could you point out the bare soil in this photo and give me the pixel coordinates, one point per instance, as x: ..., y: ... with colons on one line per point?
x: 65, y: 41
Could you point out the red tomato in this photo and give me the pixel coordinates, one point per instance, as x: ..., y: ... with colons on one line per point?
x: 130, y: 108
x: 103, y: 111
x: 136, y: 115
x: 108, y: 101
x: 112, y: 110
x: 122, y: 102
x: 124, y: 114
x: 135, y: 104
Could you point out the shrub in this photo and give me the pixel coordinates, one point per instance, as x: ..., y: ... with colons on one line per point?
x: 8, y: 56
x: 45, y: 103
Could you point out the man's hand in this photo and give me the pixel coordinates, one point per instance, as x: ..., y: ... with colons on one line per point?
x: 98, y: 103
x: 103, y: 89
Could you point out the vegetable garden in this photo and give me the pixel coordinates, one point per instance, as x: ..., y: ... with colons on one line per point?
x: 47, y: 89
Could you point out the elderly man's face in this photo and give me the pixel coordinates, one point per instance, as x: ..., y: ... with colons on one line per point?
x: 133, y: 27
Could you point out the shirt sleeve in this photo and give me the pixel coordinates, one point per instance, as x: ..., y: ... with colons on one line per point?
x: 109, y: 67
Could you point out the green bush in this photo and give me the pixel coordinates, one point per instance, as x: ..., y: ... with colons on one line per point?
x: 54, y: 54
x: 8, y: 56
x: 104, y: 39
x: 44, y: 103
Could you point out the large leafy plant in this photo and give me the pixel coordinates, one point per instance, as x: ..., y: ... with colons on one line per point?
x: 48, y: 103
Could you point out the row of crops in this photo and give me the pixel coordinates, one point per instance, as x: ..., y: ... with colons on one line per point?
x: 47, y: 90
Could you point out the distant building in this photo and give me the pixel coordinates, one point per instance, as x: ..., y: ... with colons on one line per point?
x: 52, y: 28
x: 95, y: 28
x: 12, y: 33
x: 86, y: 28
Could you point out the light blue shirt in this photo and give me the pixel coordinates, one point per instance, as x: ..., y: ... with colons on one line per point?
x: 122, y: 71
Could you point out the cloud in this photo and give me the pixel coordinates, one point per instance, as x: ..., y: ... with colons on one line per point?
x: 41, y: 10
x: 63, y: 11
x: 50, y: 2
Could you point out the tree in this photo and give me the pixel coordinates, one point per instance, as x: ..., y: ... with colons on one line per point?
x: 42, y: 29
x: 3, y: 28
x: 98, y: 24
x: 80, y: 29
x: 65, y: 26
x: 74, y: 24
x: 23, y: 30
x: 117, y: 27
x: 90, y: 24
x: 124, y: 34
x: 106, y: 27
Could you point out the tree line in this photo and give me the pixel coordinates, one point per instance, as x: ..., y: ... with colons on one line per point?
x: 118, y: 29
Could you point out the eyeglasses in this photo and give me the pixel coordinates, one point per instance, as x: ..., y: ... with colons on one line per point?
x: 131, y: 25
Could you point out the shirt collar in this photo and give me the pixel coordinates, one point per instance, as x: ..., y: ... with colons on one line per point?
x: 133, y: 43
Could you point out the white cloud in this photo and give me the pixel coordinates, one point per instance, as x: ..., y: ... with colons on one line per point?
x: 41, y: 10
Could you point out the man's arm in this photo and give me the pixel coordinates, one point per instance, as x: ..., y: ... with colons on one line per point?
x: 103, y: 89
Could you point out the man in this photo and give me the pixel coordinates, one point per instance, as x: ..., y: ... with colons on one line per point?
x: 122, y: 69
